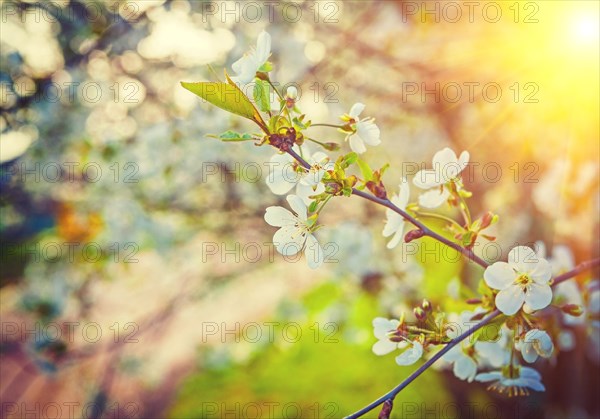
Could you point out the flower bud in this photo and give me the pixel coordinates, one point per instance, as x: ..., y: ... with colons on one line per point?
x: 386, y: 409
x: 474, y: 301
x: 331, y: 146
x: 488, y: 219
x: 426, y: 305
x: 262, y: 76
x: 572, y: 309
x: 291, y: 92
x: 333, y: 188
x: 420, y: 313
x: 351, y: 181
x: 413, y: 234
x: 377, y: 189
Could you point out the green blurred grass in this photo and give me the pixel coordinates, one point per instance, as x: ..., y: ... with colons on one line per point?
x: 323, y: 379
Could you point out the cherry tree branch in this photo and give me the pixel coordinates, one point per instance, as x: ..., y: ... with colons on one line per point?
x: 465, y: 252
x: 583, y: 266
x: 392, y: 394
x: 469, y: 254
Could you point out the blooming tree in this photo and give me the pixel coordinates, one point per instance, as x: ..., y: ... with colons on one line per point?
x: 519, y: 308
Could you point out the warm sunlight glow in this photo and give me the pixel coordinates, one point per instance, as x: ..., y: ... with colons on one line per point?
x: 585, y: 29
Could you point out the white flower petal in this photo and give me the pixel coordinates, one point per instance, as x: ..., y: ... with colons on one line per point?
x: 540, y: 342
x: 279, y: 217
x: 397, y: 238
x: 368, y: 132
x: 279, y: 184
x: 434, y: 198
x: 510, y: 299
x: 313, y: 252
x: 381, y: 326
x: 288, y: 240
x: 463, y: 160
x: 384, y: 347
x: 530, y: 373
x: 542, y: 272
x: 305, y: 191
x: 411, y: 355
x: 404, y: 195
x: 528, y: 352
x: 263, y: 48
x: 298, y: 206
x: 427, y: 179
x: 443, y: 157
x: 533, y: 384
x: 523, y: 259
x: 357, y: 145
x: 465, y: 368
x: 245, y: 70
x: 446, y: 164
x: 393, y: 222
x: 488, y: 376
x: 356, y: 110
x: 499, y: 275
x: 538, y: 296
x: 494, y: 352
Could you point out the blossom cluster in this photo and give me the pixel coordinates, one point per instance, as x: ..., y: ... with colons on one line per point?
x: 534, y: 317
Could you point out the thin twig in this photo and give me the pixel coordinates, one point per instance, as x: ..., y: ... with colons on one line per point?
x: 426, y: 230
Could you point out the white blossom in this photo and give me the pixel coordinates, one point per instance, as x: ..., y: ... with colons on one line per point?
x: 291, y: 92
x: 364, y: 131
x: 295, y: 233
x: 247, y: 66
x: 413, y: 351
x: 381, y: 329
x: 395, y: 222
x: 536, y: 343
x: 285, y: 173
x: 513, y: 381
x: 384, y: 330
x: 462, y: 355
x: 446, y: 168
x: 523, y: 280
x: 464, y: 366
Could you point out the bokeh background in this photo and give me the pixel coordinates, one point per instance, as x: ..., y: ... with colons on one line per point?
x: 171, y: 302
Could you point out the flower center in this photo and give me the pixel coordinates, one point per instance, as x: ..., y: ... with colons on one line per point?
x: 301, y: 229
x: 523, y: 280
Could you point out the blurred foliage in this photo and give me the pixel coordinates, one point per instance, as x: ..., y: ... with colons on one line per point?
x: 321, y: 373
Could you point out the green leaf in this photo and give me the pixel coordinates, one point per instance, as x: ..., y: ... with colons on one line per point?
x: 313, y: 206
x: 223, y: 95
x: 365, y: 169
x: 276, y: 122
x: 349, y: 159
x: 227, y: 96
x: 261, y: 95
x: 383, y: 169
x: 232, y: 136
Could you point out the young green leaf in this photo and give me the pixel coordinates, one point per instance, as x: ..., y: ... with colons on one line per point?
x: 261, y: 95
x: 365, y: 169
x: 349, y: 159
x: 232, y: 136
x: 224, y: 96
